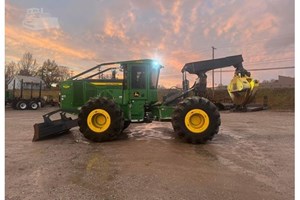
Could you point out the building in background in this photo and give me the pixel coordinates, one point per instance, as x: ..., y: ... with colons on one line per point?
x: 282, y: 82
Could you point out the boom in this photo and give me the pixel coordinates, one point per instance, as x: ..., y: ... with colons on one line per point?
x: 201, y: 67
x: 242, y: 87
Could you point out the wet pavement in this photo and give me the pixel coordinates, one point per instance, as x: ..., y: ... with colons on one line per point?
x: 252, y: 157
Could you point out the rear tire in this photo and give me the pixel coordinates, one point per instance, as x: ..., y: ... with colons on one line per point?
x: 33, y: 105
x: 196, y: 120
x: 100, y: 120
x: 21, y: 105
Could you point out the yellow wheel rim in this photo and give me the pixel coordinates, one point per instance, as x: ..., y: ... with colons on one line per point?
x: 196, y: 121
x: 98, y: 120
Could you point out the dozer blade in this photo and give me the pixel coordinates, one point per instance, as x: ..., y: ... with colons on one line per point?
x: 242, y: 90
x: 53, y: 128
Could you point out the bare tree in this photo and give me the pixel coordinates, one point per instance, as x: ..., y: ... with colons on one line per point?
x: 65, y: 73
x: 27, y: 65
x: 51, y: 73
x: 10, y: 70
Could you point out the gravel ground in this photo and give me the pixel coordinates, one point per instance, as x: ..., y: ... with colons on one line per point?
x: 252, y: 157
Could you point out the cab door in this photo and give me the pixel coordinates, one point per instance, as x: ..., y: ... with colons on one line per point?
x: 138, y: 94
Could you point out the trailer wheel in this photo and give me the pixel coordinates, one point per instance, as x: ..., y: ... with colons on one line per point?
x: 14, y: 104
x: 196, y: 120
x: 33, y: 105
x: 21, y: 105
x: 100, y: 120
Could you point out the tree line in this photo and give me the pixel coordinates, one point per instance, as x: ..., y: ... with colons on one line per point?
x: 50, y: 72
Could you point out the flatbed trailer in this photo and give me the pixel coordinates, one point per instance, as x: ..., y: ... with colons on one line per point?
x: 22, y: 103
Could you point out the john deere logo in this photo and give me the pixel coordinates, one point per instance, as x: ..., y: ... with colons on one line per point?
x: 136, y: 94
x: 66, y: 86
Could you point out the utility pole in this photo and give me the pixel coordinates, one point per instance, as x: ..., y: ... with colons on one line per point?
x: 221, y: 77
x: 213, y: 73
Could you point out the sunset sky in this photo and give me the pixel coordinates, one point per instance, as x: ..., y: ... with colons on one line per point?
x: 175, y: 32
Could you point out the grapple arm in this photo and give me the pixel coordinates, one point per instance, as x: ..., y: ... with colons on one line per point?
x: 200, y: 67
x: 242, y: 87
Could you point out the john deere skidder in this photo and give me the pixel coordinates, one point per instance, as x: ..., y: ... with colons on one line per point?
x: 107, y: 103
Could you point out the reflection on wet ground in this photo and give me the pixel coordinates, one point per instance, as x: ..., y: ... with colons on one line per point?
x: 146, y: 131
x: 244, y: 161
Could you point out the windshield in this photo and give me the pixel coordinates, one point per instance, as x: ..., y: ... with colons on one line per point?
x: 154, y: 77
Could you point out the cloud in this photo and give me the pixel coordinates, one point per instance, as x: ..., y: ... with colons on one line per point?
x: 12, y: 13
x: 19, y: 40
x: 206, y: 32
x: 176, y: 12
x: 22, y: 37
x: 176, y: 31
x: 161, y: 7
x: 113, y: 29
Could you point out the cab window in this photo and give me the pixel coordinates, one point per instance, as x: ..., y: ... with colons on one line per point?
x: 138, y: 77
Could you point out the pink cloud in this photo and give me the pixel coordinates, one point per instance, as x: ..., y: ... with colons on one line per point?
x: 177, y: 15
x: 113, y: 29
x: 177, y: 31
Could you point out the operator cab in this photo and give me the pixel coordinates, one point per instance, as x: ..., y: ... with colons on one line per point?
x: 140, y: 87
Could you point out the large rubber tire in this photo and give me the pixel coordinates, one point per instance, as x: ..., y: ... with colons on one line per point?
x: 208, y: 121
x: 114, y: 122
x: 33, y: 105
x: 14, y: 104
x: 126, y: 124
x: 22, y: 105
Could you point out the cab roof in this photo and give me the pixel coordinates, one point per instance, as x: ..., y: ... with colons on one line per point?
x: 119, y: 62
x: 131, y: 61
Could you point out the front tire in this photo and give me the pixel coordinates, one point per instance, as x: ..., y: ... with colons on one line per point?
x: 100, y: 120
x: 21, y: 105
x: 126, y: 124
x: 196, y: 120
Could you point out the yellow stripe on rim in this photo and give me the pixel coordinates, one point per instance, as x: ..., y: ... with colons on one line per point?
x: 98, y: 120
x: 196, y: 121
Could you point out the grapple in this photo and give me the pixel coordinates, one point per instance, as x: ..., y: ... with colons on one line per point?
x: 242, y: 89
x: 50, y: 128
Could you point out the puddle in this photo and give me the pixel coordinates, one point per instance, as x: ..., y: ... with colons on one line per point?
x: 145, y: 131
x: 79, y: 138
x: 151, y: 131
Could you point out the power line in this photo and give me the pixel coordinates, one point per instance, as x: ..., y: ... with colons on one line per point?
x: 266, y: 62
x: 255, y: 69
x: 263, y: 69
x: 260, y: 53
x: 272, y: 68
x: 251, y: 43
x: 213, y: 71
